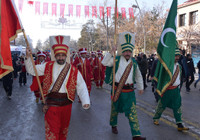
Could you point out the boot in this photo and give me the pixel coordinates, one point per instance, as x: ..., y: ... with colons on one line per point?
x: 114, y: 130
x: 139, y: 138
x: 156, y: 122
x: 37, y: 100
x: 181, y: 127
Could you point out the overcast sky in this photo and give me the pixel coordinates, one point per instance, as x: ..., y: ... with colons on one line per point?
x: 32, y: 22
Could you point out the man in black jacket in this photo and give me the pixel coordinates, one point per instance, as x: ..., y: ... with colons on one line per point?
x: 191, y: 72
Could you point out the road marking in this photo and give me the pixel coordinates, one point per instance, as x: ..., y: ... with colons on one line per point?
x: 167, y: 122
x: 170, y: 114
x: 166, y: 118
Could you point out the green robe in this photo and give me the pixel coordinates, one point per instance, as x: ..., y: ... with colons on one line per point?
x: 126, y: 102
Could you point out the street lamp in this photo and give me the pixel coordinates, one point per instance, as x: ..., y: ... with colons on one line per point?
x: 144, y: 32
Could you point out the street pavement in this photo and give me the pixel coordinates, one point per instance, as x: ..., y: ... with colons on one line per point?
x: 22, y: 119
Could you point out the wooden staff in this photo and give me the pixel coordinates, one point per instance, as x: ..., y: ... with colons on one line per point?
x: 35, y: 70
x: 115, y: 43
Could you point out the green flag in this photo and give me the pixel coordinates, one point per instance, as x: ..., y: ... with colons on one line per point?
x: 166, y: 51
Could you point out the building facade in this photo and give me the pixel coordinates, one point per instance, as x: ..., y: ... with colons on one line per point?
x: 188, y: 27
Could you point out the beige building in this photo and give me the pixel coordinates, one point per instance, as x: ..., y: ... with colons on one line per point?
x: 188, y: 25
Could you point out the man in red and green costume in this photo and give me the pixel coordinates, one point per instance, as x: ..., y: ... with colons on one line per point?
x: 171, y: 97
x: 168, y: 70
x: 99, y: 70
x: 61, y: 80
x: 126, y: 74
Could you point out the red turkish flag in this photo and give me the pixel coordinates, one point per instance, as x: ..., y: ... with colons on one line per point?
x: 123, y: 12
x: 78, y: 10
x: 10, y: 26
x: 37, y: 7
x: 30, y: 2
x: 117, y: 13
x: 62, y: 10
x: 54, y: 9
x: 20, y: 3
x: 70, y: 6
x: 86, y: 11
x: 94, y: 11
x: 109, y: 12
x: 45, y: 8
x: 131, y: 15
x: 101, y: 11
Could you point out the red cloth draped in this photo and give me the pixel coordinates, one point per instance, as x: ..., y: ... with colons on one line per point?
x: 94, y: 11
x: 86, y: 11
x: 123, y: 12
x: 109, y: 12
x: 9, y: 28
x: 131, y: 15
x: 62, y: 10
x: 45, y: 8
x: 78, y: 10
x: 70, y: 6
x: 37, y: 7
x: 54, y: 9
x: 101, y: 11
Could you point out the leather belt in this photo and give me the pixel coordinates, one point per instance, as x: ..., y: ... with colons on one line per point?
x: 57, y: 99
x: 171, y: 87
x: 127, y: 86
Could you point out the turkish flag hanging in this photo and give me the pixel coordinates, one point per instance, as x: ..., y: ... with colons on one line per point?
x: 54, y: 9
x: 94, y: 11
x: 20, y: 4
x: 9, y: 27
x: 131, y: 15
x: 62, y: 10
x: 117, y: 13
x: 78, y: 10
x: 86, y: 11
x: 70, y: 6
x: 30, y: 2
x: 109, y: 12
x: 101, y: 11
x: 37, y: 7
x: 123, y: 12
x: 45, y: 8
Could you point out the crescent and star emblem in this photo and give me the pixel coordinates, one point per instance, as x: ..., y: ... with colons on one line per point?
x: 167, y: 30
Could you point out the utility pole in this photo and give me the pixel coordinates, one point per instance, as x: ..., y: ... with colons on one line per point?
x: 144, y: 32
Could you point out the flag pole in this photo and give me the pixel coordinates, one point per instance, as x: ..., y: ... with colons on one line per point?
x: 35, y: 70
x: 114, y: 55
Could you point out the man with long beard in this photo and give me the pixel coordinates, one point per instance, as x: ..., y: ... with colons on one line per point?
x: 61, y: 80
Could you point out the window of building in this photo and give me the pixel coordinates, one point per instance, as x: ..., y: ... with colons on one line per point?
x: 182, y: 20
x: 193, y: 17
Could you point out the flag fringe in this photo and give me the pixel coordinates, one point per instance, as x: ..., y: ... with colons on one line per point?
x: 15, y: 36
x: 170, y: 75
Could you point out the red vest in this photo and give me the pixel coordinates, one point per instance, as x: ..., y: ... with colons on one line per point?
x: 71, y: 81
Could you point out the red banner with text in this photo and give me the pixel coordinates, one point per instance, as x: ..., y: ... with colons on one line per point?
x: 37, y: 7
x: 45, y: 8
x: 54, y: 9
x: 78, y: 10
x: 70, y: 6
x: 62, y: 10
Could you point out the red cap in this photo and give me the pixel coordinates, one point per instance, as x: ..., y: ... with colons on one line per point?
x: 82, y: 50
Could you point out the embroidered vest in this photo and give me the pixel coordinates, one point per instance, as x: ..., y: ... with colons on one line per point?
x: 109, y: 70
x: 70, y: 84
